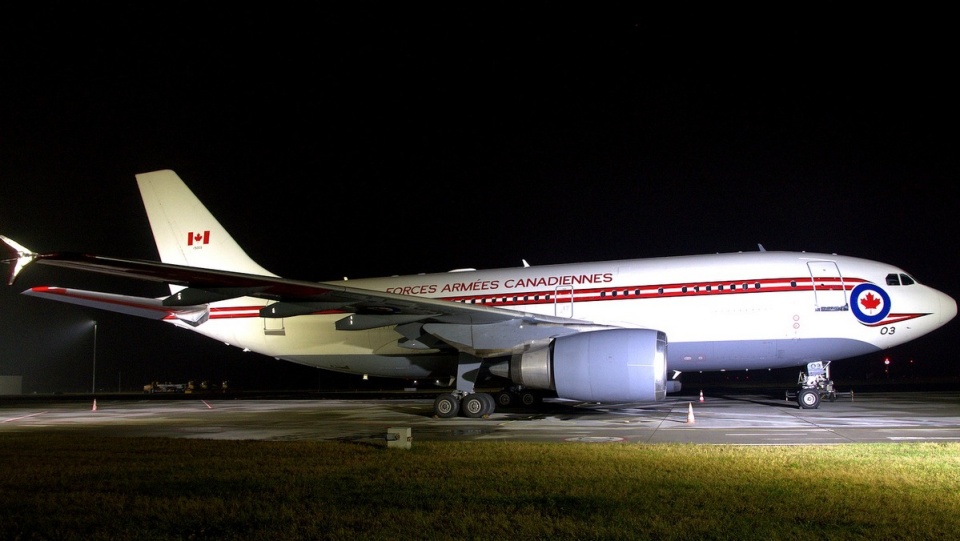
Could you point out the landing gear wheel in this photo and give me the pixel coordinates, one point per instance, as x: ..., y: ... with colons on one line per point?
x: 808, y: 398
x: 529, y: 399
x: 477, y: 405
x: 446, y: 405
x: 473, y: 405
x: 491, y: 403
x: 505, y: 398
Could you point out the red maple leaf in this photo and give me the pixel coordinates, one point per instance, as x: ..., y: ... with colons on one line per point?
x: 870, y: 302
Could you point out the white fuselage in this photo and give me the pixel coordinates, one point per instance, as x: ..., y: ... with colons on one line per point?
x: 720, y: 312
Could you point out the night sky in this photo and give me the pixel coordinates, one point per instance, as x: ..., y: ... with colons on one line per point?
x: 370, y: 140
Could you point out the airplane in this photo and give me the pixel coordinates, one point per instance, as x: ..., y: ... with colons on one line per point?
x: 620, y: 331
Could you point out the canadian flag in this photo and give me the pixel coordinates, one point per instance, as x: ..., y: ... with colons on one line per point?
x: 198, y: 238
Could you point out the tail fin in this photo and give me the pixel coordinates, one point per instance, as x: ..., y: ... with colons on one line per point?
x: 186, y: 232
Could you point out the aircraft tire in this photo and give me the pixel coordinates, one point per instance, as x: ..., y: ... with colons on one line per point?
x: 528, y: 398
x: 446, y: 406
x: 505, y: 398
x: 473, y: 406
x: 491, y: 404
x: 808, y: 398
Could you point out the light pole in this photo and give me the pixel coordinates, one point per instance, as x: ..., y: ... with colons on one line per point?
x: 93, y: 387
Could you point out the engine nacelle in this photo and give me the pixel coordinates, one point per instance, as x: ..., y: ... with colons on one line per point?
x: 616, y: 365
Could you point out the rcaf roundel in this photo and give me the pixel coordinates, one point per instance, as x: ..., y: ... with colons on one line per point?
x: 869, y: 303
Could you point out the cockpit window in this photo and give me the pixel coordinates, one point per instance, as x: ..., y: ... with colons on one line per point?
x: 899, y: 280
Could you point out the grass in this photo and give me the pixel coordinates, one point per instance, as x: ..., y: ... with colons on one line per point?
x: 62, y: 486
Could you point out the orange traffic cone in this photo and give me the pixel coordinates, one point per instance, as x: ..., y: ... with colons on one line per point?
x: 701, y: 396
x: 690, y: 419
x: 94, y: 405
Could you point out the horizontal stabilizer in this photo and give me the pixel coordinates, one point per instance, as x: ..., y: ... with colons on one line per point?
x: 124, y: 304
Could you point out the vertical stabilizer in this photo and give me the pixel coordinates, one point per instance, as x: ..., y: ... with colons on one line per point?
x: 186, y: 232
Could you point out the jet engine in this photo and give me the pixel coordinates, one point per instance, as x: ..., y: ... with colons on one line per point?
x: 615, y: 365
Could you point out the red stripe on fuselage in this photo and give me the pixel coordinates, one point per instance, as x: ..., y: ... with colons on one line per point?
x: 648, y: 291
x: 673, y: 290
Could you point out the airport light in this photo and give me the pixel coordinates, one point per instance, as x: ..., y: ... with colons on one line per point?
x: 93, y: 386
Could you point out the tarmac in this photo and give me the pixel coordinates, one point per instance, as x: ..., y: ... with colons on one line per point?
x: 727, y: 418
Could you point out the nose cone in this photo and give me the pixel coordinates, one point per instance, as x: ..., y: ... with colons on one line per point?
x: 948, y: 308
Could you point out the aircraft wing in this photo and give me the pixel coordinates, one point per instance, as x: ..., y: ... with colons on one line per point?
x: 469, y: 327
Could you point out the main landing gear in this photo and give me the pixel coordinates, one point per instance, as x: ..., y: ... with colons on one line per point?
x: 477, y: 405
x: 472, y: 405
x: 465, y: 401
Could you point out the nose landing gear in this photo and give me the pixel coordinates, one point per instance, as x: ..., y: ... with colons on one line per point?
x: 815, y: 384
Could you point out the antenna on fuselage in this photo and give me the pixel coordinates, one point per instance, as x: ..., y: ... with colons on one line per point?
x: 762, y: 249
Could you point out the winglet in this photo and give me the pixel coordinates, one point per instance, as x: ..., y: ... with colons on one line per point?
x: 21, y: 258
